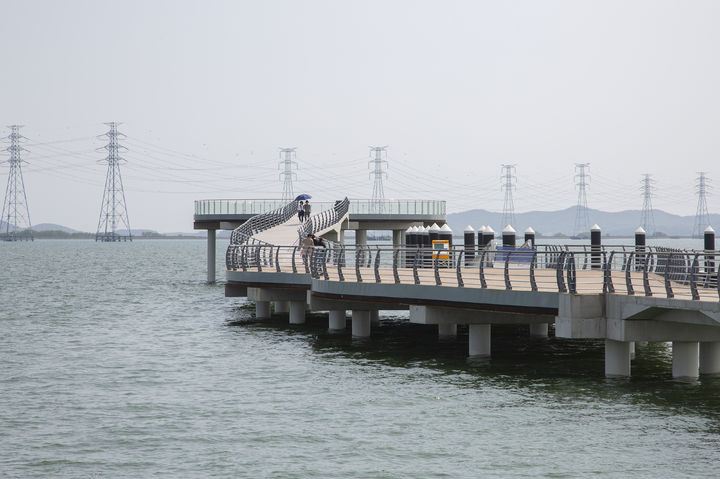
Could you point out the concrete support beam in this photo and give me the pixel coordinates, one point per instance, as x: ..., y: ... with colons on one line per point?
x: 361, y: 237
x: 447, y: 330
x: 580, y: 316
x: 235, y: 290
x: 337, y: 320
x: 297, y: 312
x: 211, y: 256
x: 262, y: 309
x: 437, y: 315
x: 479, y: 336
x: 276, y: 294
x: 617, y: 358
x: 685, y: 359
x: 360, y: 324
x: 539, y: 330
x: 398, y: 238
x: 710, y: 357
x: 281, y: 306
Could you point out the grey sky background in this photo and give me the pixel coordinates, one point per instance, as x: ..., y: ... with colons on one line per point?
x: 208, y: 91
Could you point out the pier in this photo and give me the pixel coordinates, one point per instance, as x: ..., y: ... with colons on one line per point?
x: 622, y: 294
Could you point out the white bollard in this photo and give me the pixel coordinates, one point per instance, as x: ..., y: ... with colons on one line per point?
x: 479, y: 336
x: 297, y: 312
x: 710, y: 357
x: 360, y: 324
x: 337, y: 320
x: 685, y: 359
x: 262, y: 309
x: 617, y: 358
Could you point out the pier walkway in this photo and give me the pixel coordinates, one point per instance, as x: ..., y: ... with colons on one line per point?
x: 621, y: 294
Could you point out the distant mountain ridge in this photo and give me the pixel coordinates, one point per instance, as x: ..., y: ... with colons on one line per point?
x: 548, y: 223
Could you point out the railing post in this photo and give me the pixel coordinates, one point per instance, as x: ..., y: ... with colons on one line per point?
x: 571, y: 274
x: 559, y: 275
x: 506, y: 270
x: 243, y: 257
x: 396, y: 276
x: 435, y: 268
x: 481, y: 270
x: 325, y: 255
x: 416, y: 276
x: 294, y: 266
x: 646, y: 275
x: 358, y: 251
x: 628, y: 278
x: 377, y: 266
x: 533, y: 284
x: 693, y: 278
x: 340, y: 263
x: 668, y: 284
x: 277, y: 259
x: 458, y: 269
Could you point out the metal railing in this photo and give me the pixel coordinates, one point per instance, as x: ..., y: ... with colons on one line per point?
x: 356, y: 207
x: 262, y: 222
x: 324, y: 220
x: 652, y: 271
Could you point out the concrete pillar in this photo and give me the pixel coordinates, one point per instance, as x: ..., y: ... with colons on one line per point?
x: 595, y: 247
x: 479, y: 340
x: 710, y: 357
x: 211, y: 256
x: 539, y: 330
x: 360, y: 323
x: 375, y: 317
x: 337, y: 319
x: 398, y: 237
x: 361, y: 237
x: 262, y: 309
x: 617, y: 358
x: 685, y: 359
x: 632, y: 350
x: 281, y: 306
x: 297, y: 312
x: 447, y: 330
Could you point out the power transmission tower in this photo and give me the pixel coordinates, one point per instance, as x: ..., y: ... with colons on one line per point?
x: 15, y: 212
x: 702, y: 217
x: 378, y: 172
x: 582, y: 218
x: 113, y: 211
x: 287, y: 156
x: 509, y: 180
x: 647, y: 219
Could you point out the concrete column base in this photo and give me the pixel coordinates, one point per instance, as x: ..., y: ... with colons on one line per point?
x: 447, y: 330
x: 617, y: 358
x: 685, y: 359
x: 539, y: 330
x: 281, y: 306
x: 297, y: 312
x: 211, y: 256
x: 337, y: 320
x: 479, y: 336
x: 361, y: 324
x: 262, y: 309
x: 632, y: 350
x: 375, y: 317
x: 710, y: 357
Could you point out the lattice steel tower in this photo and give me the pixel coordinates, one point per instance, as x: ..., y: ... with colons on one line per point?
x: 702, y: 217
x: 647, y: 218
x: 287, y: 156
x: 509, y: 180
x: 582, y: 217
x: 15, y: 212
x: 378, y: 153
x: 113, y: 212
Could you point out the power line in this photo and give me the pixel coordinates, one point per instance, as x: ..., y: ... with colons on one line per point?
x: 15, y: 212
x: 288, y: 155
x: 582, y: 218
x: 509, y: 180
x: 647, y: 218
x: 702, y: 217
x: 113, y: 209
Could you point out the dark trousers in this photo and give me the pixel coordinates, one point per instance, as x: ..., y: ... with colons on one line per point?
x: 301, y: 214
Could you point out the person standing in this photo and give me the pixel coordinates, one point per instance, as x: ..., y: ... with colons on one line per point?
x: 307, y: 209
x: 300, y: 210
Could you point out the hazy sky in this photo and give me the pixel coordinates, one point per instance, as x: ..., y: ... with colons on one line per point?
x: 209, y: 90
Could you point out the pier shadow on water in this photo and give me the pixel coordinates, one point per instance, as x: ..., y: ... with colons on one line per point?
x: 555, y: 367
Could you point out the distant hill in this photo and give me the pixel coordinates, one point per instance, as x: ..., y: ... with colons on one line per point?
x: 563, y: 221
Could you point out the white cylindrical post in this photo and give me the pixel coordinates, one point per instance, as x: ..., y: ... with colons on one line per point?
x: 447, y: 330
x: 632, y: 350
x: 398, y: 237
x: 539, y: 330
x: 617, y: 358
x: 337, y: 319
x: 685, y: 359
x: 297, y: 312
x: 360, y: 324
x: 262, y: 309
x: 281, y: 306
x: 479, y: 340
x: 710, y: 357
x: 211, y: 256
x: 361, y: 237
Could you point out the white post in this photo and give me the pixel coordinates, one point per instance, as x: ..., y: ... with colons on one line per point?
x: 617, y: 358
x: 361, y: 237
x: 360, y: 323
x: 540, y: 330
x: 337, y: 319
x: 685, y: 359
x: 211, y: 256
x: 281, y: 306
x: 262, y: 309
x: 297, y: 312
x: 398, y: 238
x: 710, y: 357
x: 479, y: 340
x: 447, y: 330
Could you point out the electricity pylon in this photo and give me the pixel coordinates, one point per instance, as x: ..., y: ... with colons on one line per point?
x: 113, y: 211
x: 647, y: 219
x: 15, y: 212
x: 379, y: 165
x: 702, y: 217
x: 509, y: 180
x: 582, y: 217
x: 287, y: 156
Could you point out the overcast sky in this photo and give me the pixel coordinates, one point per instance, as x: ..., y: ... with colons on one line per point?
x: 209, y: 90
